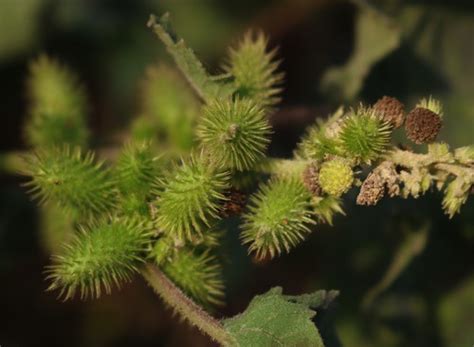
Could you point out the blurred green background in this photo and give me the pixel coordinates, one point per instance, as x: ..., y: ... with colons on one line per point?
x: 332, y: 52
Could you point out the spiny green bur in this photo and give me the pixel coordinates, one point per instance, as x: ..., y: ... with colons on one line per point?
x: 57, y: 113
x: 71, y: 179
x: 255, y: 70
x: 278, y: 219
x: 190, y: 199
x: 364, y: 136
x: 234, y: 132
x: 101, y: 256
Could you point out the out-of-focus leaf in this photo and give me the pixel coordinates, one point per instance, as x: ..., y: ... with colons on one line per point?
x: 375, y: 36
x: 413, y: 245
x: 18, y: 25
x: 456, y: 315
x: 273, y: 319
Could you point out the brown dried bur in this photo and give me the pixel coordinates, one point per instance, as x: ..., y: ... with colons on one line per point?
x: 390, y: 110
x: 422, y: 125
x: 311, y: 179
x: 383, y: 177
x: 235, y: 203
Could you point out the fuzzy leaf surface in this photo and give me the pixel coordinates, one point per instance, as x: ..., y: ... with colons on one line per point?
x: 273, y: 319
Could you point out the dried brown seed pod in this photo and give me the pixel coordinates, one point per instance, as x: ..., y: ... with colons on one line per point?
x: 235, y: 203
x: 372, y: 190
x: 311, y: 179
x: 383, y: 177
x: 422, y: 125
x: 391, y: 110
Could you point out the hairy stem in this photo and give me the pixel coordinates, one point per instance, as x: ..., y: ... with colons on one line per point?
x: 457, y: 170
x: 281, y: 167
x: 417, y: 160
x: 187, y: 308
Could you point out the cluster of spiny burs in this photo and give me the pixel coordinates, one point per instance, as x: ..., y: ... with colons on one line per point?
x: 193, y: 160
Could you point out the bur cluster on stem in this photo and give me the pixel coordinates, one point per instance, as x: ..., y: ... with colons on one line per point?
x: 195, y: 152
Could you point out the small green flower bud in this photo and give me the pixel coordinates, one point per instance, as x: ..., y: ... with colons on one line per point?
x: 335, y: 177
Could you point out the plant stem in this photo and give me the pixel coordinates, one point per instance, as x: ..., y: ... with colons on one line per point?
x: 458, y: 170
x: 187, y: 308
x: 281, y: 167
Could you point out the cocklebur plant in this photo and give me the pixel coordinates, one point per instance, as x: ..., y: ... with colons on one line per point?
x: 161, y: 212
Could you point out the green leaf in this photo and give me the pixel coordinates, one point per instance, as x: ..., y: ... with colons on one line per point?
x: 208, y: 87
x: 273, y: 319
